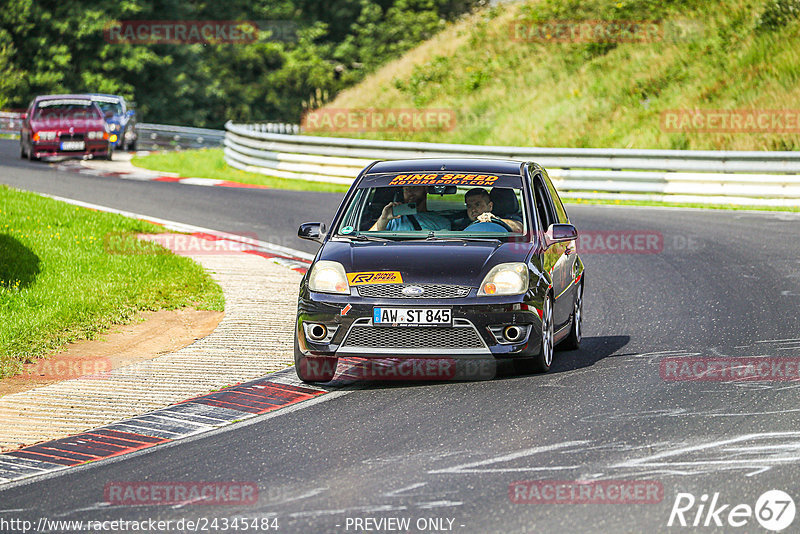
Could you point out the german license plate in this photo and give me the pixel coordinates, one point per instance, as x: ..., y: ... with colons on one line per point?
x: 412, y: 316
x: 72, y: 145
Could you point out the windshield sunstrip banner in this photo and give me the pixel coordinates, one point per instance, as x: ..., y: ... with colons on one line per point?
x: 463, y: 179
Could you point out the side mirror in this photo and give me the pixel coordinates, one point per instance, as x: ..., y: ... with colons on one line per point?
x: 558, y: 233
x: 312, y: 231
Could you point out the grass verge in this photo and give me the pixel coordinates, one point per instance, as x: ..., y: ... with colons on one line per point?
x: 59, y: 282
x: 210, y: 163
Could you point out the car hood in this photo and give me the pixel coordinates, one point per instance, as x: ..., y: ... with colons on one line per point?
x: 64, y: 124
x: 441, y: 262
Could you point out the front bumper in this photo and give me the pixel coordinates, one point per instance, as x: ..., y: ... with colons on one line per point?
x: 42, y: 149
x: 476, y: 331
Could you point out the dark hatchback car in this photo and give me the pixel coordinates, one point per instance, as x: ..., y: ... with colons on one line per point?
x: 407, y: 272
x: 64, y: 125
x: 121, y: 120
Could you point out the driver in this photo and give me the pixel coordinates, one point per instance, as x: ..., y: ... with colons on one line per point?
x: 422, y: 220
x: 479, y: 209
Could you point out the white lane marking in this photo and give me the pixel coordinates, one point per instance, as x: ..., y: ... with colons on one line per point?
x: 312, y: 493
x: 778, y: 340
x: 394, y: 493
x: 201, y: 181
x: 90, y: 508
x: 189, y: 228
x: 726, y: 455
x: 351, y: 511
x: 472, y: 466
x: 438, y: 504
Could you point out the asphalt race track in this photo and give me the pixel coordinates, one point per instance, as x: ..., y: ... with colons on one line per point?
x: 717, y: 284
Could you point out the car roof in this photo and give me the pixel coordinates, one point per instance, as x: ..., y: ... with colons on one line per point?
x: 476, y: 165
x: 104, y: 95
x: 55, y: 97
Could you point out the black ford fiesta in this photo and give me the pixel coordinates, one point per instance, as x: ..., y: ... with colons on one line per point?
x: 442, y: 258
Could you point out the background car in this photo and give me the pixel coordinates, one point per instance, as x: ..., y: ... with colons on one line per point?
x: 120, y: 118
x: 377, y: 289
x: 64, y: 125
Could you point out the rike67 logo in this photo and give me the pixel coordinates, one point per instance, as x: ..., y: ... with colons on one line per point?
x: 774, y: 510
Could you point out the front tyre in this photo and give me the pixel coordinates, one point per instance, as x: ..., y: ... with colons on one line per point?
x: 541, y: 363
x: 313, y: 369
x: 573, y: 341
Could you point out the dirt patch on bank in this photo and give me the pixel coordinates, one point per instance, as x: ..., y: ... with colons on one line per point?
x: 150, y: 335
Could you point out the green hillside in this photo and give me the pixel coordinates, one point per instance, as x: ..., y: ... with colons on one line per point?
x: 507, y: 84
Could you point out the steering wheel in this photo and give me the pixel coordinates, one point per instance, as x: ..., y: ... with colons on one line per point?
x: 494, y: 221
x: 501, y: 222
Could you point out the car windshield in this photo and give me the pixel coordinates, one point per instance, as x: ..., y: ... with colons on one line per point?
x: 113, y: 106
x: 75, y: 109
x: 436, y: 205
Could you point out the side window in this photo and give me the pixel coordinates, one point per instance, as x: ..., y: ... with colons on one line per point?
x: 544, y: 209
x: 559, y: 207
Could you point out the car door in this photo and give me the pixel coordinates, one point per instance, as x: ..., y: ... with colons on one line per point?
x: 567, y: 263
x: 558, y: 256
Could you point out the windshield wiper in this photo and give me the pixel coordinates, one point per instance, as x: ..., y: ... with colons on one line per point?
x: 362, y: 237
x: 432, y: 237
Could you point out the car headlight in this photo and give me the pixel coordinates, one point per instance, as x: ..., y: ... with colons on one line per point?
x: 505, y: 279
x: 44, y: 136
x: 328, y: 277
x: 114, y: 127
x: 95, y: 135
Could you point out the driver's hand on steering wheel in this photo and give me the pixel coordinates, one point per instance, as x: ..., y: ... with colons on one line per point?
x: 485, y: 217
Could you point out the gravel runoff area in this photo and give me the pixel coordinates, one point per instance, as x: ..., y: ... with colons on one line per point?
x: 254, y: 338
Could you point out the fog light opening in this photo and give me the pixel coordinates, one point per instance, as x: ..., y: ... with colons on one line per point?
x: 317, y: 332
x: 513, y: 333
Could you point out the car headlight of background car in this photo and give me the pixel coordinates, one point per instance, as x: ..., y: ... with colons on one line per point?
x: 328, y: 277
x: 114, y: 127
x: 44, y: 136
x: 505, y: 279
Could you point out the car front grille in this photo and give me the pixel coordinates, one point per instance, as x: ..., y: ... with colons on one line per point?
x: 71, y: 137
x: 462, y: 337
x: 430, y: 291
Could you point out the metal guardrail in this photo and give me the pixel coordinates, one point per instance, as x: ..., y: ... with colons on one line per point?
x: 703, y: 176
x: 10, y: 122
x: 167, y: 137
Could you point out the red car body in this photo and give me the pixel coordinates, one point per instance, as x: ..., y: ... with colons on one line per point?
x: 64, y: 125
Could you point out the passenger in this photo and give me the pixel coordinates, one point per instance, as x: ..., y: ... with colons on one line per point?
x: 422, y: 220
x: 479, y: 209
